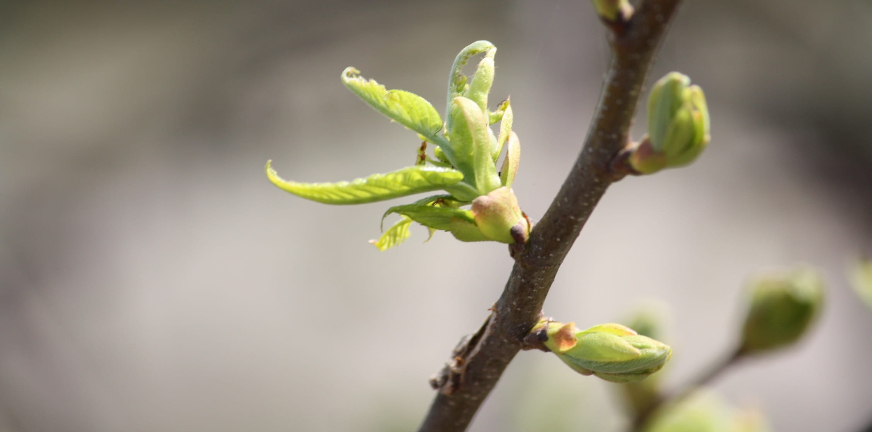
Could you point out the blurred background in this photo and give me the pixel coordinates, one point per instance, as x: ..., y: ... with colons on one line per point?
x: 151, y: 279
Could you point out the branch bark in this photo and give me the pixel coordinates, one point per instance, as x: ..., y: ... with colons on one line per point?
x: 475, y: 370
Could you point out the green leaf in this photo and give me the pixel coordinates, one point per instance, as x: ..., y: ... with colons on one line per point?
x: 457, y: 81
x: 497, y: 115
x: 435, y: 217
x: 471, y: 143
x: 467, y: 231
x: 377, y: 187
x: 603, y: 347
x: 506, y: 118
x: 482, y: 81
x: 407, y: 109
x: 395, y: 235
x: 510, y: 163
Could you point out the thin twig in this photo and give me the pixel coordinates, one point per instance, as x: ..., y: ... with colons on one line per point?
x: 535, y: 267
x: 868, y: 428
x: 683, y: 392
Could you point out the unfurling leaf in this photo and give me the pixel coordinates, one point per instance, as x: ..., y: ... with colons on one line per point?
x: 377, y: 187
x: 395, y: 235
x: 407, y: 109
x: 506, y: 119
x: 435, y: 217
x: 463, y: 164
x: 510, y: 163
x: 482, y: 81
x: 457, y: 81
x: 495, y: 116
x: 471, y: 142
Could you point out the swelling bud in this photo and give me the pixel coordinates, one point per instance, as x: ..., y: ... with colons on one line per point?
x: 678, y: 126
x: 499, y: 217
x: 613, y: 10
x: 782, y: 307
x: 610, y: 351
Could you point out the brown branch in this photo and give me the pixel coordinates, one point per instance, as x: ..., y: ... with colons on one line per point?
x: 518, y: 307
x: 713, y: 371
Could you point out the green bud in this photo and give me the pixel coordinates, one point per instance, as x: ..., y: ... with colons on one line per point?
x: 466, y: 231
x: 613, y: 10
x: 782, y: 307
x: 610, y: 351
x: 499, y: 217
x: 678, y: 125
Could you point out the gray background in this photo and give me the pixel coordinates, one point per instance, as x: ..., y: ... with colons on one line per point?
x: 151, y: 279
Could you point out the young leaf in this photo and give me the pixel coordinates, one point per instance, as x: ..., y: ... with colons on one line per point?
x: 407, y: 109
x: 510, y: 163
x: 470, y: 136
x: 377, y: 187
x: 482, y: 81
x: 432, y: 216
x: 466, y: 231
x: 495, y: 116
x: 506, y: 119
x: 457, y: 81
x: 395, y: 235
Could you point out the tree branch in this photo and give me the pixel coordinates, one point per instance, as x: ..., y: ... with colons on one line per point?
x: 475, y: 370
x: 680, y: 394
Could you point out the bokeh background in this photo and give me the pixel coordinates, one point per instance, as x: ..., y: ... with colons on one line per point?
x: 151, y: 279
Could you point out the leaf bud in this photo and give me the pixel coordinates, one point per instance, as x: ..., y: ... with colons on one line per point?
x: 499, y: 217
x: 678, y: 125
x: 613, y: 10
x: 782, y: 307
x: 610, y: 351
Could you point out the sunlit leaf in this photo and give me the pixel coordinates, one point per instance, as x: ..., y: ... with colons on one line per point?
x: 505, y: 127
x: 497, y: 115
x: 407, y: 109
x: 471, y: 143
x: 435, y: 217
x: 481, y: 82
x: 395, y: 235
x: 457, y: 80
x: 377, y: 187
x: 510, y: 163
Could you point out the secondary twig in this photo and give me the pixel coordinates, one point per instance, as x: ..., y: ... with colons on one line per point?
x: 518, y: 307
x: 678, y: 395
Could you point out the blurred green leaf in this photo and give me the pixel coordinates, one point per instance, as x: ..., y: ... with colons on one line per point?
x: 861, y: 280
x: 705, y: 412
